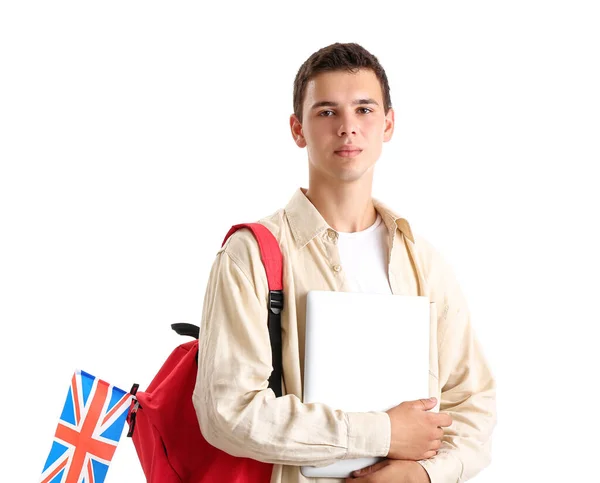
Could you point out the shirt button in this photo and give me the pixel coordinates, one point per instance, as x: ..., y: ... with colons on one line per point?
x: 336, y: 268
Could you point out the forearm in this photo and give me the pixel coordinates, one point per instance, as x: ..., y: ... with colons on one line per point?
x: 466, y: 386
x: 469, y: 397
x: 458, y: 460
x: 285, y: 431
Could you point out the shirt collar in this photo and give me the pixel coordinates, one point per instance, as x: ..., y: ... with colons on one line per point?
x: 306, y: 222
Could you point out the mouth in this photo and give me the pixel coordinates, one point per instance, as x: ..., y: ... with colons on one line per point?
x: 348, y: 153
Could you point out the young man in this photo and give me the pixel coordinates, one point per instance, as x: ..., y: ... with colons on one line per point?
x: 336, y: 236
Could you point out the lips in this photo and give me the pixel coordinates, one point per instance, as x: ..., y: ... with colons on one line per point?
x: 348, y: 152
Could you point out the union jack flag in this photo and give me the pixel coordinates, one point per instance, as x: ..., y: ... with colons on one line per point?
x: 88, y: 431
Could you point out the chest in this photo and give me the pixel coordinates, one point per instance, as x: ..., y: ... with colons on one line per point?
x: 321, y: 265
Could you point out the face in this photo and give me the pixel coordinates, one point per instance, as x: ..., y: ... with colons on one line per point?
x: 344, y: 125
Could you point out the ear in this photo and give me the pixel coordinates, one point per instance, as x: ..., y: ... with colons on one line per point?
x: 388, y: 129
x: 297, y: 133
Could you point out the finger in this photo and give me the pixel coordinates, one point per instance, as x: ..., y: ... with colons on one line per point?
x: 425, y: 404
x: 369, y: 469
x: 384, y: 475
x: 443, y: 420
x: 435, y: 445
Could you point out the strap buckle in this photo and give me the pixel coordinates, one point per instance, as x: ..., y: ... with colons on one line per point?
x: 276, y: 301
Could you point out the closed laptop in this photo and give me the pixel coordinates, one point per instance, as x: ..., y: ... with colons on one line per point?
x: 364, y: 352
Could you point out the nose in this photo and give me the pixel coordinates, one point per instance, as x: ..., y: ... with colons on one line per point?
x: 347, y: 126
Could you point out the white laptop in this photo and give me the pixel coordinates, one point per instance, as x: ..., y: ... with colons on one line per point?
x: 364, y: 352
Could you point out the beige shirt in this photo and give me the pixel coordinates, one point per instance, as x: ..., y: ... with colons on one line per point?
x: 239, y: 414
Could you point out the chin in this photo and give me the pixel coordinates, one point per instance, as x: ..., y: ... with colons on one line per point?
x: 349, y: 175
x: 351, y: 167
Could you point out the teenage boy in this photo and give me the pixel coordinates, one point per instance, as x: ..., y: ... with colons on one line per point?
x: 336, y: 236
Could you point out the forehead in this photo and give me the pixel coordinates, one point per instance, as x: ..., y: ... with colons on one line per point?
x: 343, y: 86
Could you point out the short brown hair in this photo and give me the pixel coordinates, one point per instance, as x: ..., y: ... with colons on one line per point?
x: 337, y: 57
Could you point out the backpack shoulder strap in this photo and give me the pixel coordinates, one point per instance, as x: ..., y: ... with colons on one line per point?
x: 272, y: 259
x: 412, y: 248
x: 269, y: 251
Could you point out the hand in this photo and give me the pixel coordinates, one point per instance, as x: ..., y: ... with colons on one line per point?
x: 388, y: 471
x: 416, y: 433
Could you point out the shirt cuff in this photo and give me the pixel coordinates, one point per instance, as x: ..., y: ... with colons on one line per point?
x: 443, y: 468
x: 369, y: 435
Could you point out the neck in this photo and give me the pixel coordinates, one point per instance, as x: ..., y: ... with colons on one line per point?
x: 346, y: 207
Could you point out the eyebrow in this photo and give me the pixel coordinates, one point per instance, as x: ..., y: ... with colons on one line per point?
x: 335, y: 104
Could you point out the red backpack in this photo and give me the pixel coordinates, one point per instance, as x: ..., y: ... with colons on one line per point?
x: 162, y: 420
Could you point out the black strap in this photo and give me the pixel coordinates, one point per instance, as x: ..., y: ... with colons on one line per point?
x: 275, y: 308
x: 190, y: 330
x: 133, y: 413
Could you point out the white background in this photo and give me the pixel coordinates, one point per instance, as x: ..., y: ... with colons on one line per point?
x: 134, y: 134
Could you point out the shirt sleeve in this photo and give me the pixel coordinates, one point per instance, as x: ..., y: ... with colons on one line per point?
x: 237, y: 411
x: 468, y: 388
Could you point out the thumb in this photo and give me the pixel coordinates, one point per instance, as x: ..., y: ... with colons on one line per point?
x: 426, y: 403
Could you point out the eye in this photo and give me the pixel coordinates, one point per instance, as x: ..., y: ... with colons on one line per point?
x: 365, y: 110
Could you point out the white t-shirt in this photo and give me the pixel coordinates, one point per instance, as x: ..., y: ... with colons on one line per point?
x: 363, y: 254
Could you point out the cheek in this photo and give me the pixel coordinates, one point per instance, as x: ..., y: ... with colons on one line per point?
x: 318, y: 134
x: 373, y: 127
x: 374, y: 135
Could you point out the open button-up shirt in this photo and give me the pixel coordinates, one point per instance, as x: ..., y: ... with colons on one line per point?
x: 239, y: 414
